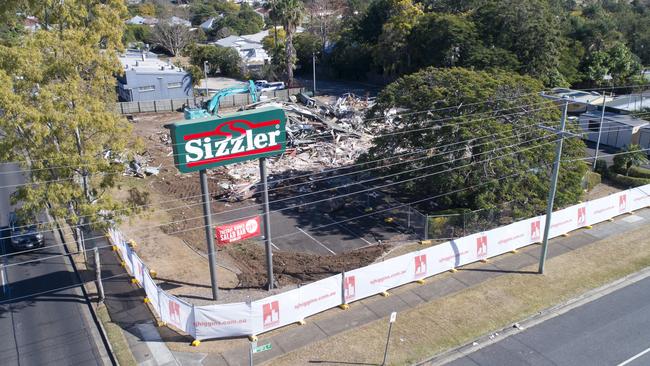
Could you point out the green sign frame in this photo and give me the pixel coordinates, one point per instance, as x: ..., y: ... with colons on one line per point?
x: 217, y: 141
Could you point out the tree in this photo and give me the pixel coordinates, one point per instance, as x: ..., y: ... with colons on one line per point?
x: 289, y: 13
x: 391, y: 51
x: 171, y: 37
x: 493, y: 129
x: 307, y: 44
x: 527, y: 28
x: 224, y: 60
x: 632, y: 156
x: 617, y: 61
x: 325, y: 18
x: 443, y: 40
x: 57, y: 94
x: 245, y: 21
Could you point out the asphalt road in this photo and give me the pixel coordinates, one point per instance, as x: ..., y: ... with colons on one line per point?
x: 611, y: 330
x: 44, y: 317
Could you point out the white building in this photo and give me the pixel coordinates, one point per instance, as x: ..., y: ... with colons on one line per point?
x: 248, y: 46
x: 630, y: 102
x: 618, y: 130
x: 583, y: 100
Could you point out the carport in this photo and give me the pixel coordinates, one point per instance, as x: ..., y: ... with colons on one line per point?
x: 618, y: 130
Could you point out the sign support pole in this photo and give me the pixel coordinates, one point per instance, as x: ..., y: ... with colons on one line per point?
x: 393, y: 315
x: 267, y: 225
x: 551, y: 192
x: 209, y: 235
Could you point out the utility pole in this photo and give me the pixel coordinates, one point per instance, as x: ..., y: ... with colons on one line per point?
x: 209, y: 235
x: 205, y: 77
x: 600, y: 129
x: 267, y: 225
x: 551, y: 192
x: 313, y: 67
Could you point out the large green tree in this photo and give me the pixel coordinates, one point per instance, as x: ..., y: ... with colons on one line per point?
x: 57, y: 95
x: 495, y: 129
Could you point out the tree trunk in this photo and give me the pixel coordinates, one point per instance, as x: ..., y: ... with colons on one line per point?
x: 289, y: 57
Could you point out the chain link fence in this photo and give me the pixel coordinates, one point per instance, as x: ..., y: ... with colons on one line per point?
x: 454, y: 225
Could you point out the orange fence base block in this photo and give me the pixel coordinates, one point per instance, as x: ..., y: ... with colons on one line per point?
x: 344, y: 306
x: 114, y: 248
x: 484, y: 261
x: 514, y: 251
x: 301, y: 322
x: 420, y: 281
x: 565, y: 235
x: 146, y: 300
x: 153, y: 273
x: 135, y: 281
x: 196, y: 343
x: 588, y: 227
x: 161, y: 323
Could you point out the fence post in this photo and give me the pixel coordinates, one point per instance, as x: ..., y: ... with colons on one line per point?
x: 408, y: 217
x: 139, y: 110
x: 155, y: 107
x: 122, y: 107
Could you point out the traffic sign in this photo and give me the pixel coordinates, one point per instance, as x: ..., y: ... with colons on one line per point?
x: 263, y: 348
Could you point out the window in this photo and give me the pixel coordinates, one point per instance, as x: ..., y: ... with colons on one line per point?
x: 174, y: 85
x: 594, y: 125
x: 147, y: 88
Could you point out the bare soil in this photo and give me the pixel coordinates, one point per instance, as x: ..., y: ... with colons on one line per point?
x: 171, y: 235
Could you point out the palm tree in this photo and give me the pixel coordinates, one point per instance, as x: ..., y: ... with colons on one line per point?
x: 289, y: 13
x: 632, y: 155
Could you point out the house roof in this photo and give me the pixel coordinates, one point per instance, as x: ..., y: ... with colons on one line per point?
x: 572, y: 95
x: 630, y: 102
x: 136, y: 20
x: 174, y: 20
x: 624, y: 119
x: 257, y: 37
x: 208, y: 23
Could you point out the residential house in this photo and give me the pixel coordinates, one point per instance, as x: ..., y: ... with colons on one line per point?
x: 248, y: 46
x: 618, y: 130
x: 31, y: 24
x: 579, y: 101
x: 148, y: 78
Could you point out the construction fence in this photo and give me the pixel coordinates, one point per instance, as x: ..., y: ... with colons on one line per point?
x: 168, y: 105
x: 256, y: 317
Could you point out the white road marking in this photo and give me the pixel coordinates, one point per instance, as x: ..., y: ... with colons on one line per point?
x: 314, y: 239
x: 634, y: 357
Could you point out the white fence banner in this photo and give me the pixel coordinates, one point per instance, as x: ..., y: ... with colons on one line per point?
x: 319, y: 296
x: 378, y: 277
x: 638, y: 197
x: 562, y: 222
x: 176, y: 312
x: 221, y: 321
x: 602, y: 209
x: 275, y: 311
x: 138, y: 267
x: 152, y: 291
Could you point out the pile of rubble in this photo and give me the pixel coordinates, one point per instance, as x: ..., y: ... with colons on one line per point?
x: 319, y: 136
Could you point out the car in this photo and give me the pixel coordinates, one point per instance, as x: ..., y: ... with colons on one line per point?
x: 263, y: 85
x: 23, y: 233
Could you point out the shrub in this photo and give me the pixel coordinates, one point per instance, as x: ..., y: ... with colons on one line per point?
x: 601, y: 168
x: 590, y: 180
x: 626, y: 181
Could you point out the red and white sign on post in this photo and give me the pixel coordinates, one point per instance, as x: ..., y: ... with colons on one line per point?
x: 237, y: 231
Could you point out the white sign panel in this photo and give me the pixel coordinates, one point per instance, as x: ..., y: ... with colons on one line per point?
x: 319, y: 296
x: 275, y: 311
x: 221, y: 321
x: 379, y: 277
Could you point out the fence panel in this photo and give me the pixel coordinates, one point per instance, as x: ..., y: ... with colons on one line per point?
x: 223, y: 320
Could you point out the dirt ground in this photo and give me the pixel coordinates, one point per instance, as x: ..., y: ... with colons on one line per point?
x: 177, y: 250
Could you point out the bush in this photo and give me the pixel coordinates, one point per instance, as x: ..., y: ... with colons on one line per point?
x: 225, y: 60
x: 601, y: 168
x: 639, y: 172
x: 626, y: 181
x: 590, y: 180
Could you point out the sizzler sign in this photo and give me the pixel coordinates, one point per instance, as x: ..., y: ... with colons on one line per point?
x: 211, y: 142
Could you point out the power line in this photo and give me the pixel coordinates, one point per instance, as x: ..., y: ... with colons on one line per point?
x: 360, y: 182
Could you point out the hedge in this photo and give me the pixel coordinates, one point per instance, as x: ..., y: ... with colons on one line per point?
x: 626, y: 181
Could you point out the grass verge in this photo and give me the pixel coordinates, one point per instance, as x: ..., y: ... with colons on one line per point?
x: 434, y: 327
x: 116, y: 337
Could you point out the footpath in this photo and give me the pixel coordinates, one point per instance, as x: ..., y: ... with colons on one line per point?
x: 336, y: 322
x: 124, y: 302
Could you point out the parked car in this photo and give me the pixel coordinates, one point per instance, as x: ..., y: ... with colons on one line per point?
x: 24, y: 234
x: 263, y: 85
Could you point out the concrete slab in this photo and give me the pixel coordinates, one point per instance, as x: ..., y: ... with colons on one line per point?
x: 514, y: 262
x: 632, y: 219
x: 579, y: 240
x: 358, y: 314
x: 382, y: 307
x: 190, y: 358
x: 606, y: 229
x: 439, y: 288
x: 214, y: 359
x: 410, y: 297
x: 476, y: 274
x: 157, y: 348
x: 643, y: 213
x: 297, y: 337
